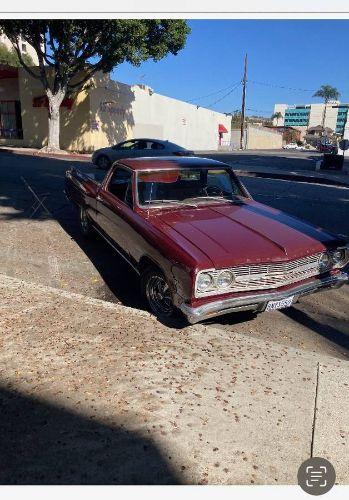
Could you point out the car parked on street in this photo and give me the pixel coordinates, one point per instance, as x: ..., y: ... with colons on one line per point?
x: 135, y: 148
x: 200, y: 243
x: 291, y: 145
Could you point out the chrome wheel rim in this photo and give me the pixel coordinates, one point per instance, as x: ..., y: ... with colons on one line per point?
x: 159, y: 296
x: 84, y: 221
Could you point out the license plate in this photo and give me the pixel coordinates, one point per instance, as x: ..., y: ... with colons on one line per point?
x: 273, y: 305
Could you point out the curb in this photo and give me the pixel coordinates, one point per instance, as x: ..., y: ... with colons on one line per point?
x: 69, y: 156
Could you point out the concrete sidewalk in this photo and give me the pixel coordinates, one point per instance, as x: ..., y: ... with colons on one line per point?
x: 95, y: 392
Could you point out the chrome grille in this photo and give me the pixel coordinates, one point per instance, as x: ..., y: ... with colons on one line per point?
x: 266, y: 276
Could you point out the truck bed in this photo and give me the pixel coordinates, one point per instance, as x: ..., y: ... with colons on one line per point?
x: 80, y: 187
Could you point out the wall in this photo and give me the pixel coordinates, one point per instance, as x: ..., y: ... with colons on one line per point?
x: 111, y: 118
x: 262, y: 138
x: 258, y: 138
x: 165, y: 118
x: 34, y: 120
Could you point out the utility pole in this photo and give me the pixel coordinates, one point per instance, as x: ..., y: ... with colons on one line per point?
x: 243, y: 105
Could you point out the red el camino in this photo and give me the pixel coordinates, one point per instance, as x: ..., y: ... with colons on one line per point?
x: 198, y: 240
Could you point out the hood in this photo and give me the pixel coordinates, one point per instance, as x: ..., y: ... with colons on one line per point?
x: 231, y: 235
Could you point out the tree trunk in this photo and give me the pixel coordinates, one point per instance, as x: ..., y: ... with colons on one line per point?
x: 323, y: 120
x: 54, y: 103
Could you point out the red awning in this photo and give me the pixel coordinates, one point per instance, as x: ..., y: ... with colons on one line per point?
x: 42, y: 102
x: 222, y: 129
x: 8, y: 72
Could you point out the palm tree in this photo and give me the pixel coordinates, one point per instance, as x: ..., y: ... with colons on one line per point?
x: 327, y: 93
x: 276, y: 116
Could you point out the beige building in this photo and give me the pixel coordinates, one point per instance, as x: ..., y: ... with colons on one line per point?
x: 24, y: 46
x: 257, y: 137
x: 105, y: 113
x: 307, y: 116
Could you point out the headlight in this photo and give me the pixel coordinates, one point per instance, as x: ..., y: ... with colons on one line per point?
x: 224, y: 279
x: 338, y: 257
x: 204, y: 282
x: 325, y: 262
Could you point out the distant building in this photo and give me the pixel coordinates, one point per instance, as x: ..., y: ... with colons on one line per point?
x: 305, y: 116
x: 24, y: 47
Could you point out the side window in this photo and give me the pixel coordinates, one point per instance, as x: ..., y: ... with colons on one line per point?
x: 120, y: 185
x: 141, y: 144
x: 156, y: 145
x: 127, y: 145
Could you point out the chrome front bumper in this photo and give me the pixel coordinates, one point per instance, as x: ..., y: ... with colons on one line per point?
x: 258, y: 302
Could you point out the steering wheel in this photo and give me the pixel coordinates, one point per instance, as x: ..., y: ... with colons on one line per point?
x: 213, y: 191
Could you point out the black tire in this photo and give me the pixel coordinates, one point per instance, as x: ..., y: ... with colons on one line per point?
x: 103, y: 162
x: 157, y: 294
x: 85, y: 224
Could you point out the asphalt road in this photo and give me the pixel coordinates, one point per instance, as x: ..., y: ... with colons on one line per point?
x: 287, y: 160
x: 318, y: 323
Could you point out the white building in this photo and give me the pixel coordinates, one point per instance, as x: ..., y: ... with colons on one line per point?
x: 104, y: 113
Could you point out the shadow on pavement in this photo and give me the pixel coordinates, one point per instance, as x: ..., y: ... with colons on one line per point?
x: 46, y: 175
x: 329, y: 332
x: 42, y: 444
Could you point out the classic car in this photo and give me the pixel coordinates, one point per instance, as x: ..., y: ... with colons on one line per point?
x: 200, y: 243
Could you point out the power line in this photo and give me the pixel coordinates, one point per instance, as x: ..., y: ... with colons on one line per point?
x: 259, y: 110
x: 265, y: 84
x: 209, y: 95
x: 225, y: 95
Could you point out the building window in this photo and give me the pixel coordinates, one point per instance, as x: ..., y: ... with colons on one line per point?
x: 24, y: 47
x: 10, y: 120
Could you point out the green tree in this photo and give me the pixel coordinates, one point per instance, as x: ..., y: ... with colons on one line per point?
x: 236, y: 118
x: 276, y: 116
x: 10, y: 58
x: 70, y: 52
x: 327, y: 93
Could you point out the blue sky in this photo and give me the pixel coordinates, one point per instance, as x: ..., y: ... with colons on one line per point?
x: 300, y: 54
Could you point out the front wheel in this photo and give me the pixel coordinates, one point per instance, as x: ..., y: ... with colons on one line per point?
x: 157, y: 293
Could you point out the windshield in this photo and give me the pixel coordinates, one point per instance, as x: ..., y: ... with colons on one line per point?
x: 187, y: 186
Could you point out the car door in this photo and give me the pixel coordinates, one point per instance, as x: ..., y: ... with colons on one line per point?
x: 115, y: 207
